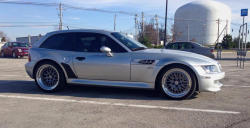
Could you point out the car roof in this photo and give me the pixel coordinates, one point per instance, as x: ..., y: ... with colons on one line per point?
x: 81, y: 30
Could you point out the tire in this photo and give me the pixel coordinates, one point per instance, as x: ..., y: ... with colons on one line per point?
x: 55, y: 79
x: 2, y: 54
x: 14, y: 54
x: 172, y: 87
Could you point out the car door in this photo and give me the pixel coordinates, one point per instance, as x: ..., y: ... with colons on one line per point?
x: 9, y: 49
x: 90, y: 63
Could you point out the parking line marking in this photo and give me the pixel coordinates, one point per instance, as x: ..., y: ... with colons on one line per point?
x: 120, y: 104
x: 236, y: 86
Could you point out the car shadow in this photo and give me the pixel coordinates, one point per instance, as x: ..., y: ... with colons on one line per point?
x: 29, y: 87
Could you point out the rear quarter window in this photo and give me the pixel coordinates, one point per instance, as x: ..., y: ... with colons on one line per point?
x: 63, y: 41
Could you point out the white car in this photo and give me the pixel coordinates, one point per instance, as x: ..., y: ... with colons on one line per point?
x: 98, y: 57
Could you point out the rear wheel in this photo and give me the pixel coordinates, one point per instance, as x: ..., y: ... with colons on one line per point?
x: 176, y: 82
x: 49, y: 77
x: 2, y: 54
x: 14, y: 54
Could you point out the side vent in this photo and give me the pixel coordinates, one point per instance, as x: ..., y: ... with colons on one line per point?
x: 146, y: 61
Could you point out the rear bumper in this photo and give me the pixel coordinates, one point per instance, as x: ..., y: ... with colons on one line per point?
x: 29, y: 67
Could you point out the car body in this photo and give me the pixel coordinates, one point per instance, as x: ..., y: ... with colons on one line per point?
x: 191, y: 47
x: 99, y: 57
x: 15, y: 49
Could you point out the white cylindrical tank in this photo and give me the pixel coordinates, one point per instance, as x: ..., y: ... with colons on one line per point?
x: 201, y: 15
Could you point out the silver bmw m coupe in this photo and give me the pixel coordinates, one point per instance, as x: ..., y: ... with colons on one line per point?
x: 98, y: 57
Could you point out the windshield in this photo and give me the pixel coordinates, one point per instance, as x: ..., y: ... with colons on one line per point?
x: 129, y: 42
x: 20, y: 45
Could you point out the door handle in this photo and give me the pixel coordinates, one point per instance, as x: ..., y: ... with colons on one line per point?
x: 80, y: 58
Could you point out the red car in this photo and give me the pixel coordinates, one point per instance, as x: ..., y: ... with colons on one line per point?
x: 15, y: 49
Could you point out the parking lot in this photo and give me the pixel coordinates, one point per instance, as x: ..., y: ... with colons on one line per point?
x: 22, y: 104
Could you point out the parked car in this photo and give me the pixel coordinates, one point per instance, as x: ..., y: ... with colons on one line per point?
x: 191, y: 47
x: 98, y: 57
x: 15, y: 49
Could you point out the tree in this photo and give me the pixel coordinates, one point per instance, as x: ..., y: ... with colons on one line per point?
x: 227, y: 42
x: 146, y: 41
x: 4, y: 37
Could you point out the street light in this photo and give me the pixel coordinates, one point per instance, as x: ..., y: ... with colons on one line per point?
x: 166, y: 18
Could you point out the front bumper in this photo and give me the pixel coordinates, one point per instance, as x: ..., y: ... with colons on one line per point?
x: 209, y: 82
x: 22, y: 54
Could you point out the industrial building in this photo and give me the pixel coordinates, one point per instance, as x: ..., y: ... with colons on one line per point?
x: 29, y: 39
x: 202, y: 21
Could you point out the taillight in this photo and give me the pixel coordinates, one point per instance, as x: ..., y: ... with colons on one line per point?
x: 29, y: 57
x: 212, y: 50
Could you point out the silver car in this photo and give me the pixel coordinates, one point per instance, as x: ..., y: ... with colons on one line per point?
x: 191, y: 47
x: 98, y: 57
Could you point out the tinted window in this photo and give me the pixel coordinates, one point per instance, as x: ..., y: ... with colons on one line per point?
x: 92, y: 42
x: 64, y: 41
x: 173, y: 46
x: 186, y: 46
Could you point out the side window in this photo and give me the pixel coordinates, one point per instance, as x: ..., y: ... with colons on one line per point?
x: 92, y: 42
x: 114, y: 46
x: 10, y: 44
x: 176, y: 46
x: 63, y: 41
x: 186, y: 46
x: 169, y: 46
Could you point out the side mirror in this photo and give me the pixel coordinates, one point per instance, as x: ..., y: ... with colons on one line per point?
x: 10, y: 46
x: 106, y: 50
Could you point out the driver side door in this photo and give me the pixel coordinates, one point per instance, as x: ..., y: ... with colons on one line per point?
x: 90, y: 63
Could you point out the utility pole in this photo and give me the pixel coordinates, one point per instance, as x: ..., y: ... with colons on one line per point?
x: 157, y: 29
x: 166, y: 19
x: 60, y: 7
x: 115, y: 22
x: 188, y: 33
x: 136, y: 27
x: 218, y: 30
x: 227, y: 27
x: 204, y: 25
x: 142, y: 18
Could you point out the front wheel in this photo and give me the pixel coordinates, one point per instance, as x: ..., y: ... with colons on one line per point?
x: 49, y: 77
x: 176, y: 82
x: 14, y: 54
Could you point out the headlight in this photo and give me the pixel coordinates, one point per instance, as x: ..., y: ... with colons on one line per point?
x: 210, y: 69
x: 19, y: 50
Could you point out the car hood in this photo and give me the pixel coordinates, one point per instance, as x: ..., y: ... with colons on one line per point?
x: 173, y: 56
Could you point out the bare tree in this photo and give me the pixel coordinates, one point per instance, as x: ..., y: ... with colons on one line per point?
x: 4, y: 37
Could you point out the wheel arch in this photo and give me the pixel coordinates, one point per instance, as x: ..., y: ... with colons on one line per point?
x: 49, y: 60
x: 180, y: 64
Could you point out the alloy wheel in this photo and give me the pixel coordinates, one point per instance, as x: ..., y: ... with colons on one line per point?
x: 176, y: 83
x: 47, y: 77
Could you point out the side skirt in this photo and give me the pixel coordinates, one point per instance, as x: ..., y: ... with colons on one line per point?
x: 112, y: 83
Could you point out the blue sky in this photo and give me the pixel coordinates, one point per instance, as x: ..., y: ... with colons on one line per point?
x: 90, y: 19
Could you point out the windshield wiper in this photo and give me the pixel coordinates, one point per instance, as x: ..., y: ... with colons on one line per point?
x: 139, y: 48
